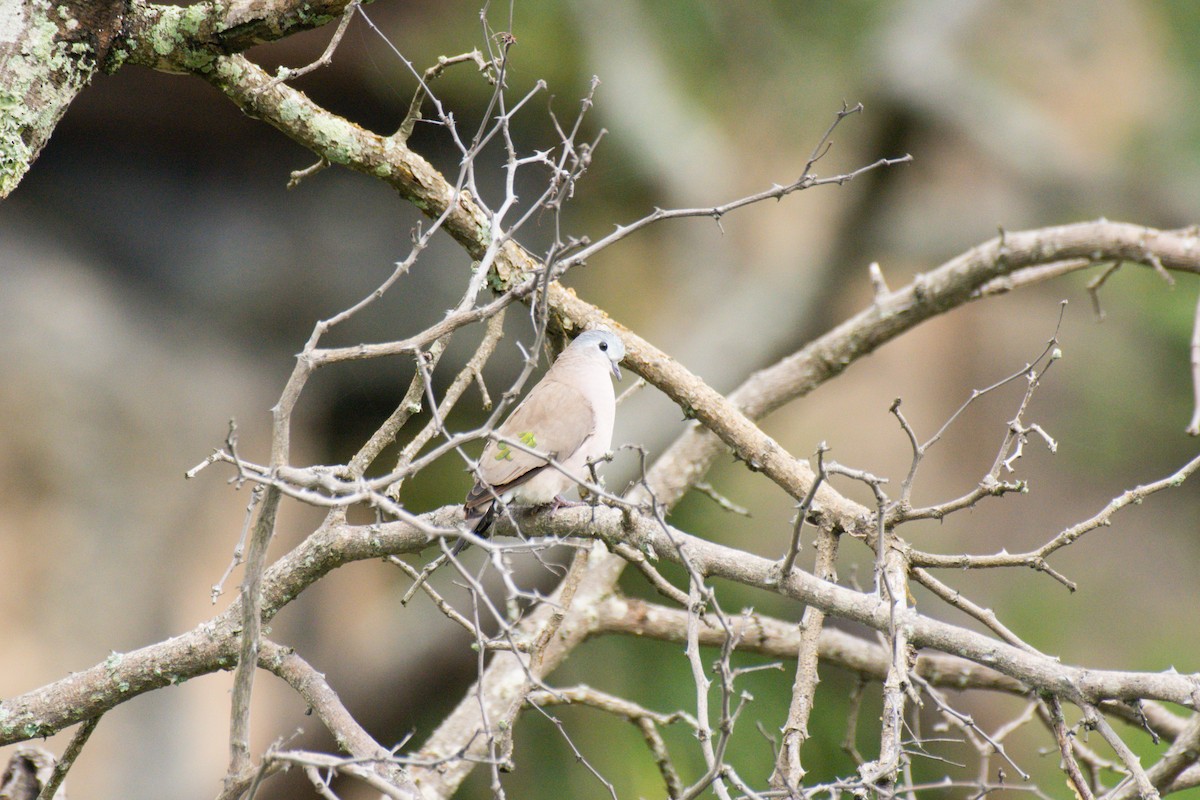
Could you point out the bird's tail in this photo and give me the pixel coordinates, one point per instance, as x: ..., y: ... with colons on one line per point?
x: 482, y: 522
x: 480, y: 529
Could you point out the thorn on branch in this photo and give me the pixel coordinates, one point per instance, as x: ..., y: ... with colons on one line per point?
x: 878, y: 283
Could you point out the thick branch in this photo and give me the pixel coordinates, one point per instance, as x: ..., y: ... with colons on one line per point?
x: 54, y: 50
x: 953, y: 283
x: 340, y: 141
x: 1039, y: 672
x: 210, y: 646
x: 779, y: 639
x: 50, y: 52
x: 190, y: 38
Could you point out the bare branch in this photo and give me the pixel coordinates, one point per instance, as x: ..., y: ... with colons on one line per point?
x: 1145, y: 788
x: 248, y: 650
x: 789, y: 558
x: 646, y: 721
x: 1036, y: 559
x: 64, y: 764
x: 789, y: 772
x: 535, y: 632
x: 1193, y: 428
x: 324, y: 60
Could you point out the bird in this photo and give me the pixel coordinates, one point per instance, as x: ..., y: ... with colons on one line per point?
x: 567, y: 416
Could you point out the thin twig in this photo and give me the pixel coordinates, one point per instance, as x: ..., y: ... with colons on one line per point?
x: 968, y: 606
x: 1065, y: 750
x: 1096, y: 283
x: 1036, y: 559
x: 721, y: 500
x: 64, y: 764
x: 789, y: 558
x: 1193, y: 428
x: 646, y: 721
x: 717, y: 212
x: 789, y: 771
x: 1130, y: 759
x: 324, y: 60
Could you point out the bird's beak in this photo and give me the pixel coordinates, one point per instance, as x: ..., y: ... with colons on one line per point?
x: 616, y: 372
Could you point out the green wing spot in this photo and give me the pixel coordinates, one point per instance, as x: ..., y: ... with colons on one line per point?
x: 528, y: 439
x: 503, y: 452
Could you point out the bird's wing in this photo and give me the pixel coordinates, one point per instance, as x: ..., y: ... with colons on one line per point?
x: 555, y: 419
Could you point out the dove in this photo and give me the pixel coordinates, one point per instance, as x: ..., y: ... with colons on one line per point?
x: 567, y: 416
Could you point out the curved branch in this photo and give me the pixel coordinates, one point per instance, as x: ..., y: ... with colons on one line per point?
x: 953, y: 284
x: 190, y: 38
x: 778, y: 639
x: 57, y: 48
x: 311, y: 685
x: 1039, y: 672
x: 958, y: 281
x: 210, y: 646
x: 51, y: 51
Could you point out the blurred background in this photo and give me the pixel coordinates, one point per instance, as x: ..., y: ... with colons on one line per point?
x: 156, y: 279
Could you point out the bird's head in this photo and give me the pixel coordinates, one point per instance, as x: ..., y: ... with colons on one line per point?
x: 601, y: 344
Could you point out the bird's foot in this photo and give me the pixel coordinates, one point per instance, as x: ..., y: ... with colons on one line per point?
x: 561, y: 502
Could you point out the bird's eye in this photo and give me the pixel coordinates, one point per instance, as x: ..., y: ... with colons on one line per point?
x: 604, y: 345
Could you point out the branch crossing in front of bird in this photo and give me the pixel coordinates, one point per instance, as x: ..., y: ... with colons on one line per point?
x: 504, y: 452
